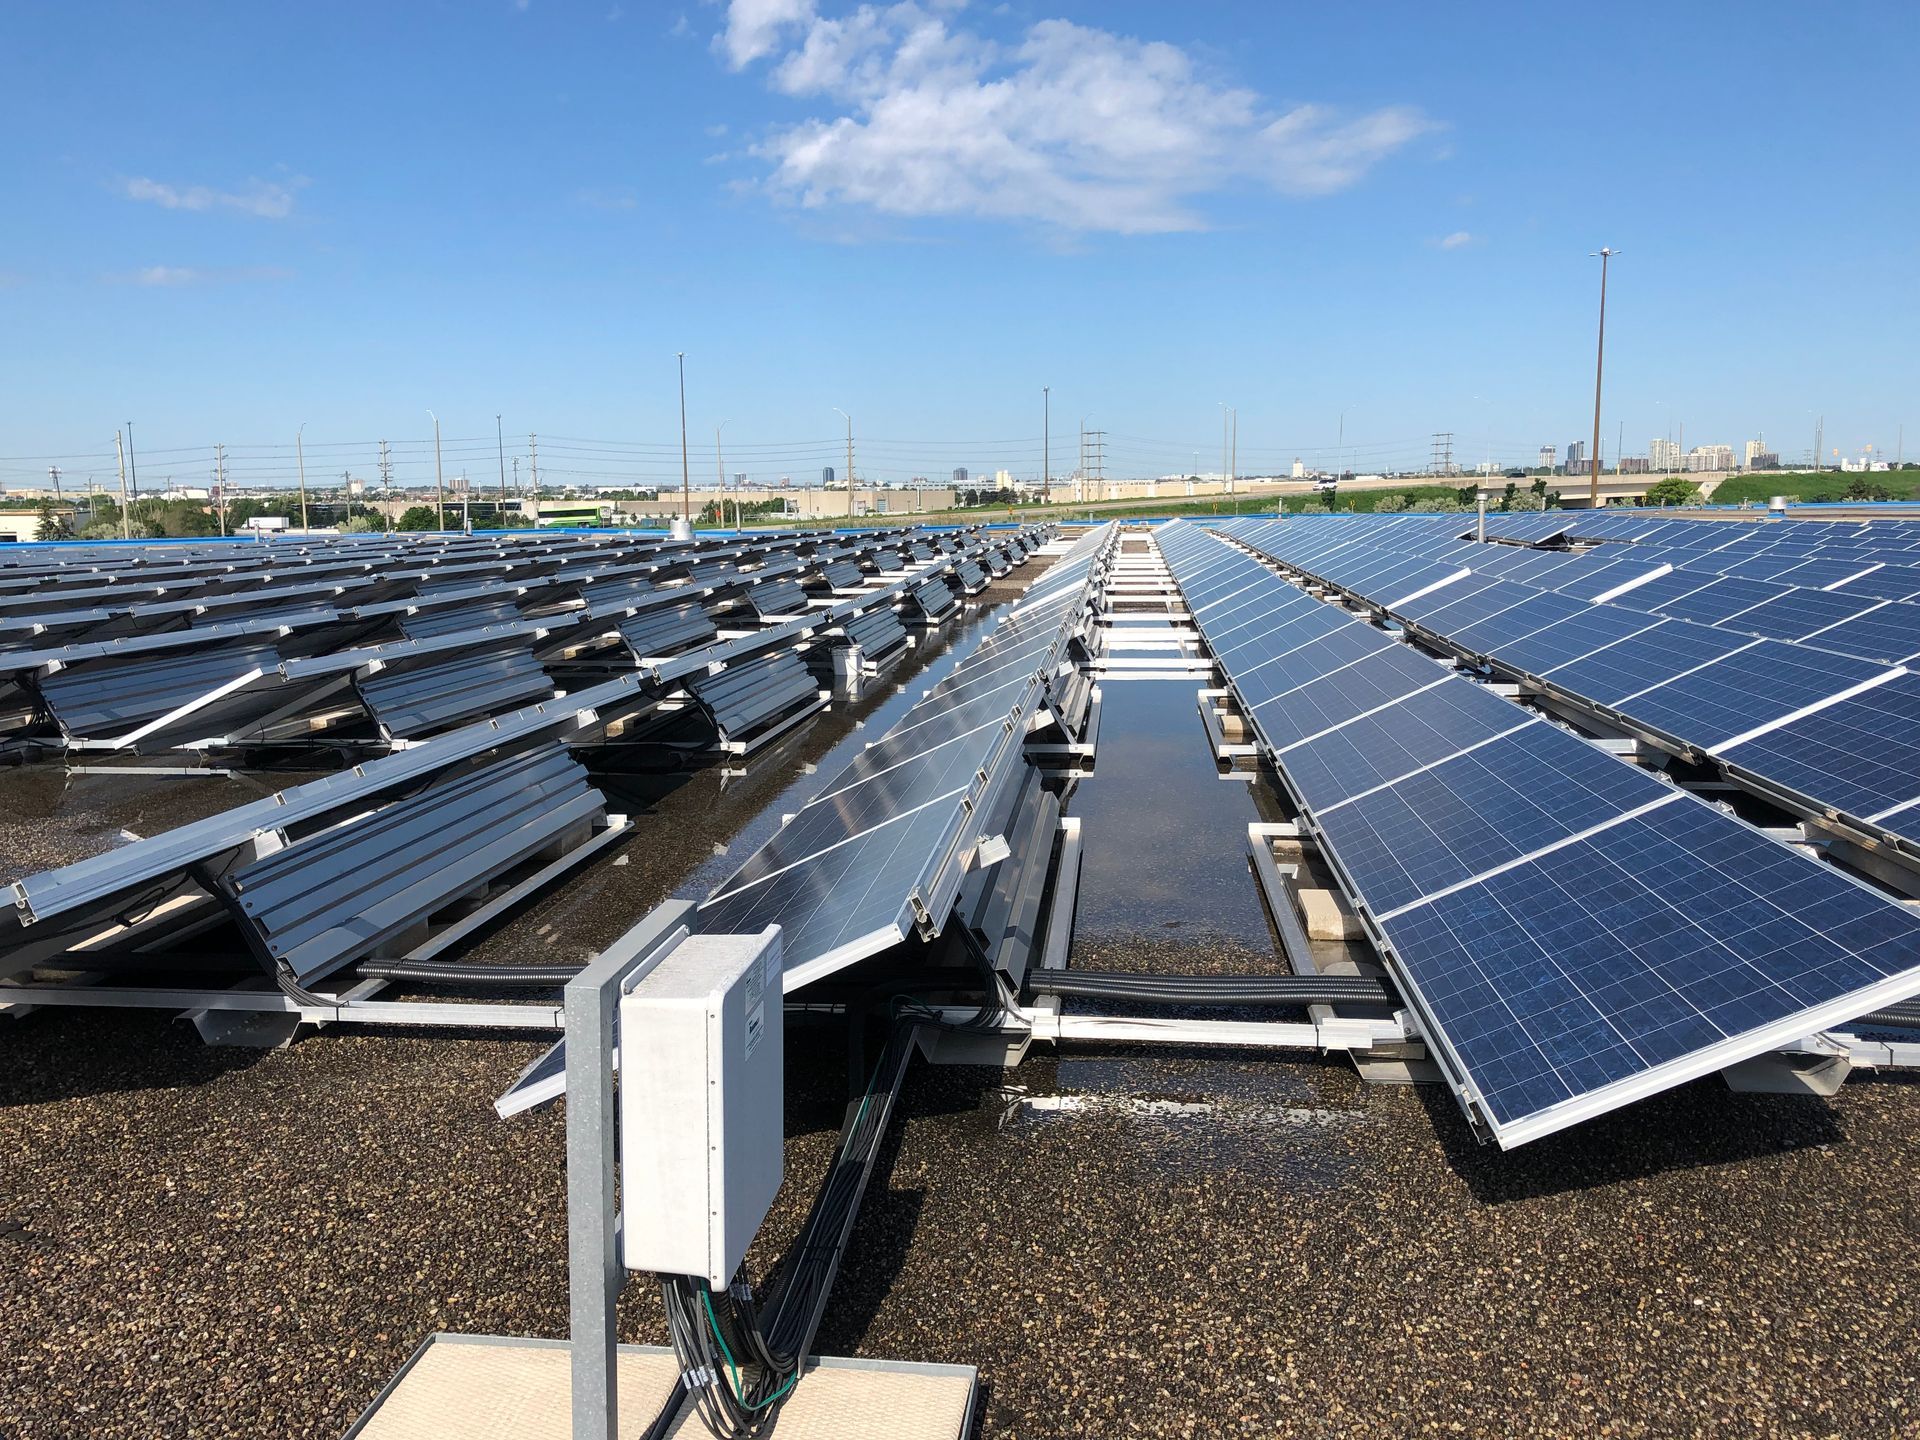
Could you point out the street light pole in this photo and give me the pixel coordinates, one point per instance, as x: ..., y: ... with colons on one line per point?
x: 439, y: 480
x: 686, y: 477
x: 720, y: 470
x: 1046, y: 445
x: 500, y: 440
x: 849, y: 419
x: 1599, y: 359
x: 300, y: 450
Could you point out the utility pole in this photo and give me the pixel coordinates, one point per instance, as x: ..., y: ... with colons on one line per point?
x: 720, y: 469
x: 1819, y: 442
x: 686, y: 479
x: 220, y: 486
x: 300, y: 449
x: 133, y: 465
x: 1225, y: 442
x: 439, y: 480
x: 533, y: 461
x: 1599, y: 359
x: 126, y: 506
x: 1046, y: 444
x: 1233, y: 460
x: 54, y: 472
x: 500, y: 440
x: 849, y: 419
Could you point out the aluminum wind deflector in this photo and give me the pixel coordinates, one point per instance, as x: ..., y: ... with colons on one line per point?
x: 1573, y: 933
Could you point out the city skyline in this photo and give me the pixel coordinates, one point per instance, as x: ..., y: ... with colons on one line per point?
x: 1351, y: 253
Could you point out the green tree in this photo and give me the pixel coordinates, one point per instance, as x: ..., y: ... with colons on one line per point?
x: 417, y: 517
x: 1674, y: 490
x: 52, y: 526
x: 1506, y: 500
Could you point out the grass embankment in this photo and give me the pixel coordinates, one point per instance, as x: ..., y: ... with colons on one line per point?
x: 1812, y: 488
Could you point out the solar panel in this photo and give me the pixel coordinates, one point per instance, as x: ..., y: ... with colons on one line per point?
x: 1568, y: 985
x: 1764, y: 681
x: 1644, y: 659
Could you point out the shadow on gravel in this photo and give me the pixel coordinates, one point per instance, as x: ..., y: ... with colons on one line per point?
x: 70, y: 1054
x: 1694, y: 1127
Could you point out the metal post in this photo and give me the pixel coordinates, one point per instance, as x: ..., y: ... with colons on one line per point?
x: 1046, y: 444
x: 1480, y: 503
x: 720, y: 469
x: 1233, y: 462
x: 300, y: 449
x: 220, y: 487
x: 126, y: 509
x: 592, y: 1221
x: 133, y: 465
x: 1599, y: 358
x: 686, y: 479
x: 849, y: 419
x: 439, y: 480
x: 500, y: 441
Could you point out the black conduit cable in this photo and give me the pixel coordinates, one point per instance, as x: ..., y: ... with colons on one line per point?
x: 458, y: 972
x: 1289, y: 990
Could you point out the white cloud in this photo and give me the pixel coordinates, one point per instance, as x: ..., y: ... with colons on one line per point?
x: 1455, y: 241
x: 263, y: 199
x: 756, y: 27
x: 1071, y: 126
x: 168, y: 276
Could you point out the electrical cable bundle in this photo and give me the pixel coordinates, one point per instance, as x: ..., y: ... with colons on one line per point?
x: 737, y: 1367
x: 736, y: 1380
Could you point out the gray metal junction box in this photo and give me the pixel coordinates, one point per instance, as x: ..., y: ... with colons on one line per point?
x: 702, y: 1144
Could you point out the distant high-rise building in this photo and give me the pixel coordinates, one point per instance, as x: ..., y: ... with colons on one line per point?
x: 1758, y: 457
x: 1633, y: 465
x: 826, y: 475
x: 959, y: 475
x: 739, y: 478
x: 1663, y: 456
x: 1710, y: 457
x: 1299, y: 468
x: 1003, y: 479
x: 1547, y: 457
x: 1576, y: 455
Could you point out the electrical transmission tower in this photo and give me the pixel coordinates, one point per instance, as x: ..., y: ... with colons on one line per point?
x: 1442, y: 462
x: 1093, y: 463
x: 386, y: 469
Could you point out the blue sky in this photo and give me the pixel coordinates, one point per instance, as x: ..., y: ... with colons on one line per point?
x: 222, y: 221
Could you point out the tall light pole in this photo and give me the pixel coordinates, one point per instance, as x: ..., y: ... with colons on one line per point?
x: 720, y: 469
x: 500, y: 440
x: 1046, y: 445
x: 133, y: 465
x: 439, y: 480
x: 300, y: 450
x: 849, y: 419
x: 1341, y: 442
x: 686, y: 476
x: 1599, y: 359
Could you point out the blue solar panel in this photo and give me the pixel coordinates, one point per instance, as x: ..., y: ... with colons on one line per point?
x: 1641, y: 661
x: 1538, y: 611
x: 1567, y: 640
x: 1484, y: 808
x: 1891, y: 632
x: 1890, y: 582
x: 1654, y: 594
x: 1423, y: 729
x: 1796, y: 614
x: 1721, y: 600
x: 1568, y: 977
x: 1860, y: 756
x: 1750, y: 687
x: 1319, y: 704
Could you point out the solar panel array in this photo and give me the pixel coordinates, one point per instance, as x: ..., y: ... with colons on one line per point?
x: 320, y: 872
x: 1802, y: 718
x: 1574, y: 932
x: 153, y: 648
